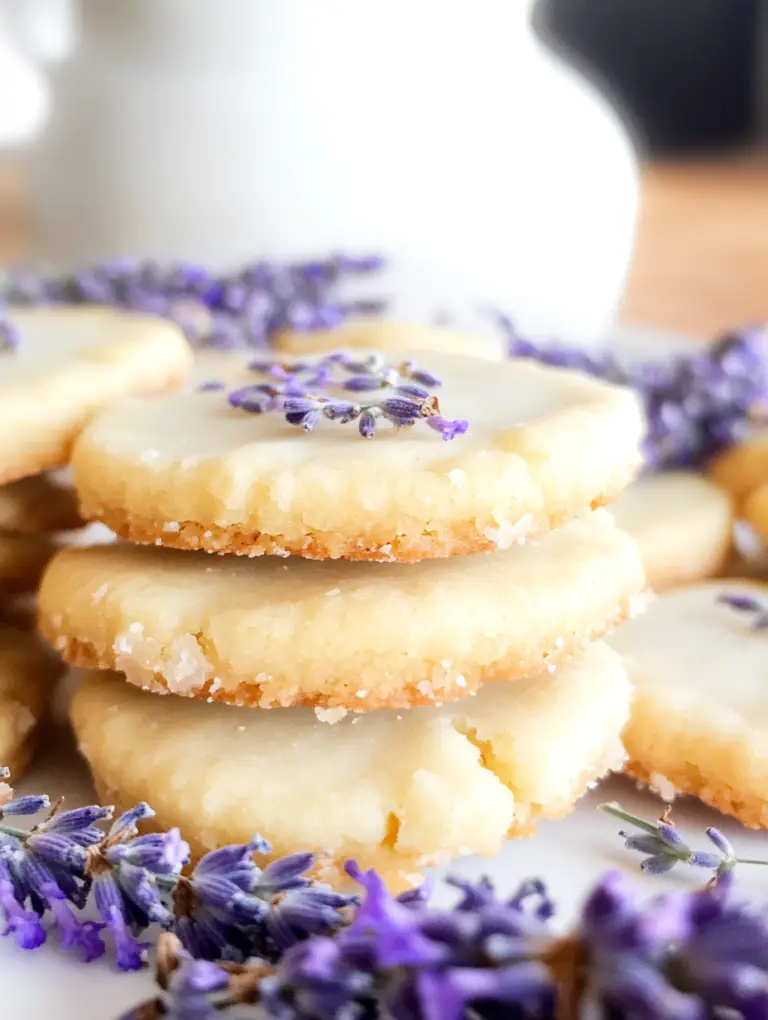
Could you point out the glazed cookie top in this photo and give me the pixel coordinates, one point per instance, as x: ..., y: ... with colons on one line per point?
x: 391, y: 338
x: 700, y: 657
x: 419, y: 782
x: 65, y: 363
x: 332, y: 634
x: 542, y: 445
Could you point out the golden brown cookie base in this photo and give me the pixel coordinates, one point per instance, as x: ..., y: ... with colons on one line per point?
x: 398, y: 870
x: 686, y: 778
x: 248, y: 694
x: 410, y: 548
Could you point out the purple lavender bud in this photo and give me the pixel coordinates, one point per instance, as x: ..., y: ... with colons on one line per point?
x: 24, y: 924
x: 127, y: 824
x: 702, y: 859
x: 161, y: 853
x: 448, y: 429
x: 58, y: 849
x: 304, y: 912
x: 338, y: 410
x: 658, y: 865
x: 399, y: 411
x: 411, y: 390
x: 300, y: 405
x: 249, y: 398
x: 136, y: 883
x: 31, y: 805
x: 668, y: 834
x: 720, y: 840
x: 644, y: 844
x: 363, y: 383
x: 745, y: 603
x: 367, y: 425
x: 227, y: 858
x: 70, y: 822
x: 210, y: 386
x: 263, y: 365
x: 419, y: 896
x: 418, y: 375
x: 286, y: 873
x: 75, y: 934
x: 306, y: 420
x: 109, y: 903
x: 446, y: 994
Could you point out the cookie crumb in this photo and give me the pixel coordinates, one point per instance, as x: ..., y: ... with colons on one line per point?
x: 330, y: 715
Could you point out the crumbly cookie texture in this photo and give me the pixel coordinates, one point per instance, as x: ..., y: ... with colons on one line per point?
x: 189, y: 471
x: 391, y: 338
x: 22, y: 561
x: 28, y: 675
x: 70, y: 363
x: 743, y: 468
x: 38, y: 505
x: 356, y: 636
x: 682, y: 523
x: 400, y: 791
x: 700, y: 709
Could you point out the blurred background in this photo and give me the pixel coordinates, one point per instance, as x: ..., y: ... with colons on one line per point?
x: 688, y: 78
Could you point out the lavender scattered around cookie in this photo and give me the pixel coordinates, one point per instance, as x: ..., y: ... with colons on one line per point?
x: 244, y: 942
x: 299, y: 391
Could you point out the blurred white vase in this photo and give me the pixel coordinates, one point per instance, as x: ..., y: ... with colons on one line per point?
x: 442, y: 135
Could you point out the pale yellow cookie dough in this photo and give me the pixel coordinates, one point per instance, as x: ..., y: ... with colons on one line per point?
x: 360, y: 636
x: 391, y: 338
x: 70, y: 362
x: 37, y: 505
x: 398, y: 791
x: 682, y: 523
x: 189, y: 471
x: 743, y: 468
x: 28, y: 675
x: 700, y: 713
x: 22, y: 561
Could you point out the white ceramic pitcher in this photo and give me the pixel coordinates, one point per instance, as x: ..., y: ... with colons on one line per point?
x: 441, y: 134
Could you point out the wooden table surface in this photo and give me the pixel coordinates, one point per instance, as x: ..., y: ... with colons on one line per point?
x: 701, y: 255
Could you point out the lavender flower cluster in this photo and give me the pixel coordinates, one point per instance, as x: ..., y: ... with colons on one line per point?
x: 245, y: 942
x: 226, y: 907
x: 681, y: 956
x: 695, y: 405
x: 299, y: 391
x: 244, y: 308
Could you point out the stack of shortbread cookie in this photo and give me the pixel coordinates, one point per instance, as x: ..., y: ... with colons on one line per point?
x: 397, y: 656
x: 57, y: 367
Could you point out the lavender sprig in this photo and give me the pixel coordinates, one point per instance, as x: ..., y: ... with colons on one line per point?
x: 245, y: 308
x: 226, y: 907
x: 300, y: 392
x: 664, y: 847
x: 695, y: 405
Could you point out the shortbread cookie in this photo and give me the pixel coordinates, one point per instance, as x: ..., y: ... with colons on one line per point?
x: 189, y: 470
x: 682, y: 523
x: 754, y: 510
x: 37, y: 505
x: 398, y: 791
x: 700, y: 713
x: 22, y: 561
x: 743, y: 468
x: 28, y: 676
x: 354, y: 636
x: 70, y: 362
x: 392, y: 338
